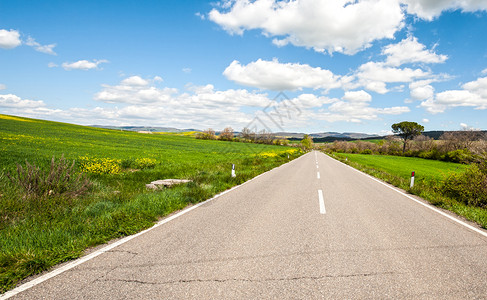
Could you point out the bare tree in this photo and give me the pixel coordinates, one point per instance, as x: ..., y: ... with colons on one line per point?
x: 247, y: 134
x: 423, y: 143
x: 226, y: 134
x: 265, y: 137
x: 457, y: 140
x: 207, y: 134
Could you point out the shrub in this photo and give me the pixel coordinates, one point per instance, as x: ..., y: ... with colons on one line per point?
x: 433, y: 154
x: 469, y: 187
x: 58, y: 180
x: 459, y: 156
x: 138, y: 163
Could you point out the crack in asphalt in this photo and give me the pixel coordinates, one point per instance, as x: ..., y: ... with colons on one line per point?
x: 306, y: 253
x: 249, y: 280
x: 122, y: 251
x: 111, y: 269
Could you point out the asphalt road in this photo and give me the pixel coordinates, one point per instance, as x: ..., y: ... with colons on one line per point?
x: 272, y: 238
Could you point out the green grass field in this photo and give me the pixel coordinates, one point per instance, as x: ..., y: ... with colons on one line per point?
x: 430, y: 176
x: 403, y: 166
x: 39, y: 232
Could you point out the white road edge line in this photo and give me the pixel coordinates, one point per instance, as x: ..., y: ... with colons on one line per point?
x: 318, y: 175
x: 322, y: 202
x: 419, y: 202
x: 90, y: 256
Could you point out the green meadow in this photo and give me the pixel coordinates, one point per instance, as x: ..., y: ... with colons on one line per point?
x: 402, y: 166
x: 38, y: 231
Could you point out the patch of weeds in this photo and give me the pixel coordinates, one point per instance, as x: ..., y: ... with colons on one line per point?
x: 60, y: 179
x: 138, y: 163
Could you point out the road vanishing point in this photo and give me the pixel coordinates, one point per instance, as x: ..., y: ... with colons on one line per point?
x: 312, y: 228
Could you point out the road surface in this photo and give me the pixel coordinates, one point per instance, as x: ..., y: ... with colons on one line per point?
x: 312, y: 228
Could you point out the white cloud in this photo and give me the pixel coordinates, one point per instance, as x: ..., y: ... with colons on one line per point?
x: 478, y: 87
x: 83, y: 65
x: 345, y: 26
x: 357, y: 96
x: 430, y: 9
x: 134, y: 81
x: 140, y: 102
x: 200, y: 15
x: 376, y: 86
x: 375, y: 75
x: 355, y: 107
x: 187, y: 70
x: 334, y: 26
x: 136, y: 90
x: 310, y: 100
x: 379, y: 72
x: 421, y: 90
x: 52, y: 65
x: 274, y: 75
x: 48, y: 49
x: 425, y: 120
x: 456, y: 98
x: 9, y: 39
x: 198, y: 107
x: 3, y: 87
x: 472, y: 94
x: 410, y: 50
x: 13, y: 101
x: 357, y: 112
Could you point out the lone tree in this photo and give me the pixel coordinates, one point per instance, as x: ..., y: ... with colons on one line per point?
x: 307, y: 142
x: 407, y: 131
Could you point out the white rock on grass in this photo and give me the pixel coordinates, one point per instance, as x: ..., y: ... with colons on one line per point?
x: 165, y: 183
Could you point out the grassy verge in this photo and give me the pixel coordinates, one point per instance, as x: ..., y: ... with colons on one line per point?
x: 42, y: 227
x: 429, y: 179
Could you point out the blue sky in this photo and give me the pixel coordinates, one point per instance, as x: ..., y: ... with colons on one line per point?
x: 341, y: 65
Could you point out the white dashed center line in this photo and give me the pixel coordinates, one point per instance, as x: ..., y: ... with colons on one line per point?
x: 322, y: 202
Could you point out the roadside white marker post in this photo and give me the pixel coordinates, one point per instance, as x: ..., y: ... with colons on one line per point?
x: 233, y: 171
x: 412, y: 180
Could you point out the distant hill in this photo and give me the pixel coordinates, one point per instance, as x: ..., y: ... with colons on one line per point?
x: 289, y: 135
x: 327, y: 135
x: 321, y: 137
x: 144, y: 128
